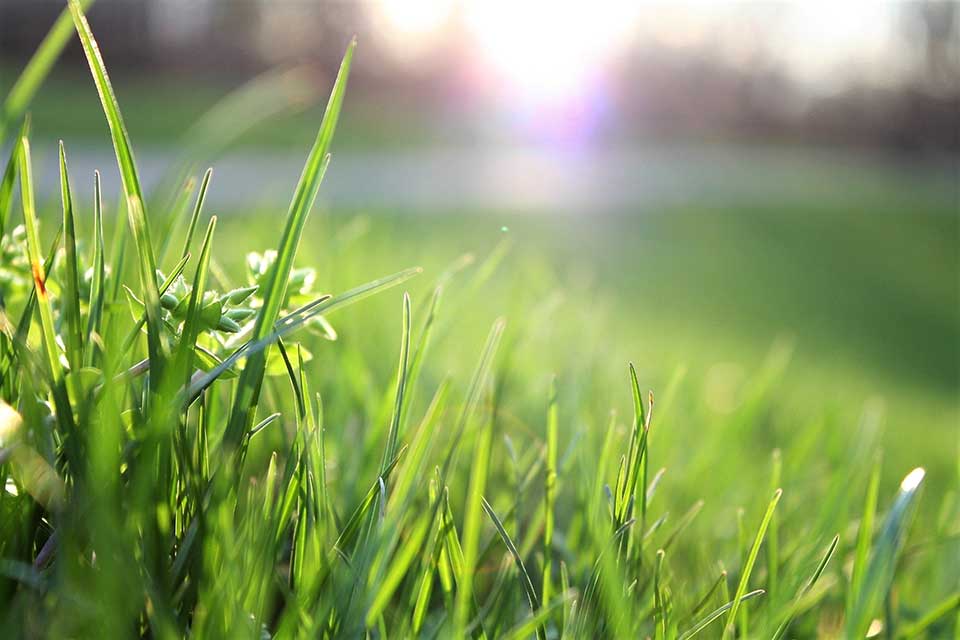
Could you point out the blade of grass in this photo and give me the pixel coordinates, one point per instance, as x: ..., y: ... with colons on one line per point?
x: 714, y: 615
x: 95, y: 313
x: 248, y: 387
x: 550, y: 492
x: 51, y: 349
x: 131, y: 186
x: 10, y: 175
x: 70, y: 300
x: 191, y: 324
x: 941, y: 609
x: 392, y: 436
x: 748, y: 564
x: 37, y: 69
x: 525, y: 580
x: 865, y: 533
x: 879, y: 574
x: 782, y: 629
x: 471, y: 528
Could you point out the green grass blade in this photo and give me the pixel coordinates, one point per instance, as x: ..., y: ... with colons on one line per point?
x: 391, y: 445
x: 782, y: 629
x: 748, y: 565
x: 471, y: 529
x: 714, y: 615
x: 8, y: 182
x: 51, y: 349
x: 97, y: 284
x: 402, y: 493
x: 248, y: 388
x: 33, y: 75
x: 883, y: 560
x: 198, y: 207
x: 191, y: 324
x: 70, y: 300
x: 525, y: 580
x: 131, y: 187
x: 476, y: 388
x: 550, y: 492
x: 944, y: 607
x: 864, y: 534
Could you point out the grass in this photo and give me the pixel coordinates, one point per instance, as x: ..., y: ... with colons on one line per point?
x: 210, y: 444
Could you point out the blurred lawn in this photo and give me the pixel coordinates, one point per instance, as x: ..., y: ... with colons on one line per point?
x: 863, y: 285
x: 866, y: 302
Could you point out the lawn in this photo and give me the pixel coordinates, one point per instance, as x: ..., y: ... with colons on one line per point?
x: 421, y: 425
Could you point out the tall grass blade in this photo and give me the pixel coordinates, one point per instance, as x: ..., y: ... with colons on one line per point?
x: 131, y: 187
x: 864, y: 534
x: 525, y: 580
x: 248, y: 388
x: 97, y: 284
x: 70, y: 301
x: 748, y: 564
x: 471, y: 529
x: 51, y: 349
x: 550, y: 492
x: 9, y: 180
x: 782, y: 629
x: 883, y: 559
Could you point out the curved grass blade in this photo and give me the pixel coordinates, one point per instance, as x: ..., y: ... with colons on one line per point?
x: 782, y: 629
x: 131, y: 187
x: 703, y: 624
x: 248, y: 389
x: 525, y: 580
x: 33, y: 75
x: 748, y: 565
x: 883, y: 560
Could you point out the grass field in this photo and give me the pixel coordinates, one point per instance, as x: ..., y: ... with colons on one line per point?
x: 463, y: 447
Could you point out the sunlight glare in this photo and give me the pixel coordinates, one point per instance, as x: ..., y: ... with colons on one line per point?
x: 546, y: 50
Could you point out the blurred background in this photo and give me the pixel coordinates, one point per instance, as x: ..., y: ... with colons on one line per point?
x: 707, y: 181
